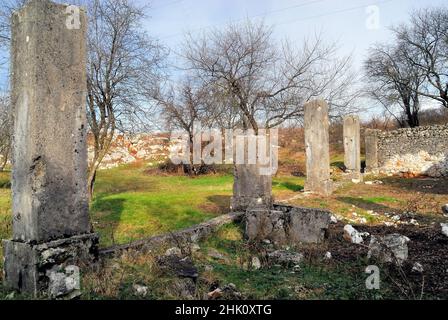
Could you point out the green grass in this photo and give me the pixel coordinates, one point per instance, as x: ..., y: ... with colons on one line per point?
x: 314, y: 280
x: 130, y: 204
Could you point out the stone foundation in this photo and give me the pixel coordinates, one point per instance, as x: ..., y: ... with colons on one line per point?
x: 287, y: 225
x: 29, y: 267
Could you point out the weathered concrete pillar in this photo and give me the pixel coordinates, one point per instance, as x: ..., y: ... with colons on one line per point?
x: 371, y: 140
x: 352, y: 147
x: 317, y: 148
x: 51, y: 227
x: 250, y: 189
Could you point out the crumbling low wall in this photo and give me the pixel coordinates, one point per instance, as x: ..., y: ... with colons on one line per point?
x: 413, y: 151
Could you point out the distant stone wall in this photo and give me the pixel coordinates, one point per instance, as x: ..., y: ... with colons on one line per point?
x: 409, y: 151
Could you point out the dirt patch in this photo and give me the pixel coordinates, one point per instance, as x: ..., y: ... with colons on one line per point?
x: 428, y: 246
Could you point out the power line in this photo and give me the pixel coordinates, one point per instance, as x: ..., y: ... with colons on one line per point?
x: 250, y: 17
x: 335, y: 12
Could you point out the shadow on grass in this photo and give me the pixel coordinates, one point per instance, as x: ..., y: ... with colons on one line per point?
x: 113, y: 209
x: 221, y: 201
x: 424, y: 185
x: 288, y: 185
x: 366, y: 204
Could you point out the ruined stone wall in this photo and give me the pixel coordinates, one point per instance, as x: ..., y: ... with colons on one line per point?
x: 412, y: 151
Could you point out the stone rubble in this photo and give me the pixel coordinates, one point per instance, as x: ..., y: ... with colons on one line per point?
x: 64, y: 282
x: 140, y: 290
x: 389, y: 248
x: 285, y: 258
x: 353, y: 235
x: 444, y: 228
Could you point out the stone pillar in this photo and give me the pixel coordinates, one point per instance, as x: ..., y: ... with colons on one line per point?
x: 371, y: 139
x: 250, y: 189
x: 317, y: 148
x: 352, y: 148
x: 51, y: 227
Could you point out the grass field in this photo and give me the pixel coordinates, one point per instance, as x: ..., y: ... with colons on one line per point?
x: 130, y: 204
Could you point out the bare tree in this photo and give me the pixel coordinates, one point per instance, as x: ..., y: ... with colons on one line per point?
x: 267, y: 83
x: 182, y: 107
x: 426, y: 40
x: 394, y: 82
x: 5, y: 130
x: 123, y: 70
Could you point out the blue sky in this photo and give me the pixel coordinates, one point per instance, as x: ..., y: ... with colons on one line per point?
x: 346, y: 21
x: 340, y: 20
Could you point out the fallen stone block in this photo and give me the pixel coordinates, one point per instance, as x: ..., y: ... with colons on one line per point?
x: 389, y: 248
x: 287, y: 225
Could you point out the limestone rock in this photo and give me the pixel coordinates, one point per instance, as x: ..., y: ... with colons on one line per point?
x: 139, y: 290
x: 287, y: 225
x: 444, y: 228
x: 64, y: 282
x: 389, y: 248
x: 256, y: 264
x: 417, y: 267
x: 352, y: 235
x: 173, y: 252
x: 285, y: 258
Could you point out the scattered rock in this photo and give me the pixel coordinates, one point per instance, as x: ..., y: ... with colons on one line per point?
x: 173, y: 252
x: 327, y: 255
x: 208, y: 268
x: 444, y: 228
x: 285, y: 258
x: 417, y: 267
x: 64, y: 282
x: 374, y: 182
x: 10, y: 296
x: 228, y: 292
x: 256, y: 264
x: 215, y: 254
x: 175, y: 265
x: 352, y: 235
x: 356, y: 181
x: 333, y: 219
x: 139, y: 290
x: 389, y: 248
x: 396, y: 217
x: 186, y: 287
x: 195, y: 247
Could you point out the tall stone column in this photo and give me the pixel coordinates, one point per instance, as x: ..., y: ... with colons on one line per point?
x: 371, y: 140
x: 51, y: 228
x: 352, y: 147
x: 317, y: 148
